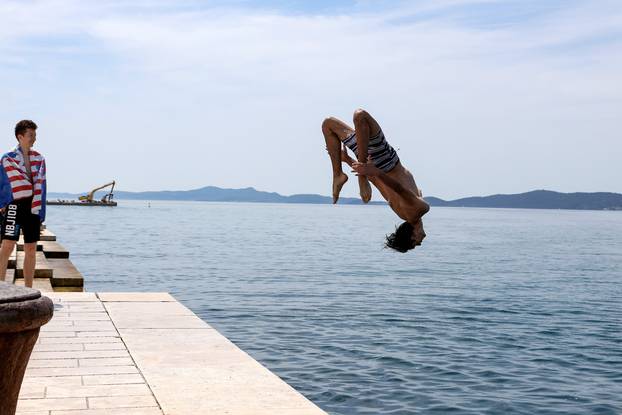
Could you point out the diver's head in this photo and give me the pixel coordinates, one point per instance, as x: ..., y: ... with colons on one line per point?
x: 406, y: 237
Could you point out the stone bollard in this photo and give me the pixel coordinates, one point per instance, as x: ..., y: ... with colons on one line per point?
x: 22, y: 312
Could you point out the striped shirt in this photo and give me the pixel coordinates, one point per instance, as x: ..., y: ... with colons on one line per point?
x: 16, y: 183
x: 382, y: 154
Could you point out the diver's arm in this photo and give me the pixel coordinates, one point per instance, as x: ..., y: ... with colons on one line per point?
x: 369, y: 169
x: 419, y: 205
x: 345, y: 157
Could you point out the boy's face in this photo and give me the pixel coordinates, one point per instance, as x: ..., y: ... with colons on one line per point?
x: 28, y: 138
x: 418, y: 234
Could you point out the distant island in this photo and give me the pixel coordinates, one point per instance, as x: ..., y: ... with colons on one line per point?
x: 537, y: 199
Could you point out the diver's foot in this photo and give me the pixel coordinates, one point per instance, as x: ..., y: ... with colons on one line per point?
x: 365, y: 189
x: 338, y: 182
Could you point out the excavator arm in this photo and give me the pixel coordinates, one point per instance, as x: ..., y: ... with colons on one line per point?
x: 89, y: 197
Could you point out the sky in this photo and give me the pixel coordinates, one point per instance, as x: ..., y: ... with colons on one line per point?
x: 478, y: 97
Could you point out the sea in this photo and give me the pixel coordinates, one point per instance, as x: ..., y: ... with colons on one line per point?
x: 500, y: 311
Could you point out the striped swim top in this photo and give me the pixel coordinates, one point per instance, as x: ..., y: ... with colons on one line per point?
x: 381, y: 152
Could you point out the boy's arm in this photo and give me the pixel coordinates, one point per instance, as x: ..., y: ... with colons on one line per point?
x: 6, y: 193
x: 44, y: 187
x: 369, y: 169
x: 345, y: 157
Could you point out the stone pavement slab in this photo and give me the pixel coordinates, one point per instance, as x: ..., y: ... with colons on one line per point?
x: 59, y: 297
x: 134, y: 297
x: 42, y: 269
x: 42, y: 284
x: 65, y: 274
x: 53, y: 249
x: 111, y: 411
x: 46, y: 235
x: 80, y: 365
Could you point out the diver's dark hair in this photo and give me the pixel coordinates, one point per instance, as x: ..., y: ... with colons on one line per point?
x: 24, y: 125
x: 401, y: 239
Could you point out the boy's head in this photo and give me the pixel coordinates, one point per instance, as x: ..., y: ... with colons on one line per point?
x: 406, y: 237
x: 26, y: 133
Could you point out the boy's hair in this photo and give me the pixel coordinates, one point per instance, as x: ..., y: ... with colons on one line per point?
x: 24, y: 125
x: 401, y: 239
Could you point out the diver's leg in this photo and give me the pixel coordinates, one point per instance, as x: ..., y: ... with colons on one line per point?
x: 335, y: 131
x: 365, y: 127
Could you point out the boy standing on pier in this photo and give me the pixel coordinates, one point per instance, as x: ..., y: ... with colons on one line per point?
x: 22, y: 199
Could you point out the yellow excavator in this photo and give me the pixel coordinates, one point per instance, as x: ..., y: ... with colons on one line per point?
x: 106, y: 200
x: 87, y: 200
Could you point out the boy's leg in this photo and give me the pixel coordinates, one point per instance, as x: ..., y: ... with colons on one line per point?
x: 30, y: 259
x: 335, y: 131
x: 5, y: 252
x: 365, y: 127
x: 31, y: 228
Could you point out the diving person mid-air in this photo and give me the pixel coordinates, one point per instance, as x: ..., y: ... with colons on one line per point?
x: 378, y: 163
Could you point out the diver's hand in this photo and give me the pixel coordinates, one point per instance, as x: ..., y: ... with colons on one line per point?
x: 366, y: 169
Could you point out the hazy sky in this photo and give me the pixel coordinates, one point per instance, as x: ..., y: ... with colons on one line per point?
x: 478, y: 96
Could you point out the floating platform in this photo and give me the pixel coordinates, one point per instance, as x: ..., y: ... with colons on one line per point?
x: 145, y: 354
x: 79, y: 203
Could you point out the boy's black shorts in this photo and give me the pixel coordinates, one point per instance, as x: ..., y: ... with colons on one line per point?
x: 18, y: 217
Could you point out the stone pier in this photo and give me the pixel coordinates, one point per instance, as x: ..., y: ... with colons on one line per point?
x: 145, y: 354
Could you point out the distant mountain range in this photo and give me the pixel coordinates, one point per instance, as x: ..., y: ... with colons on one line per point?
x: 217, y: 194
x: 538, y: 199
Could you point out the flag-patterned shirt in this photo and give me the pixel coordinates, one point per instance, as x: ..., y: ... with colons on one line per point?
x: 16, y: 183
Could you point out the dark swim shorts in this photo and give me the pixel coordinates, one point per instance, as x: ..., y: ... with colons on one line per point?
x: 18, y: 217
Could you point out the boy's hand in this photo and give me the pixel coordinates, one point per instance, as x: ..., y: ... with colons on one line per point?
x: 365, y: 169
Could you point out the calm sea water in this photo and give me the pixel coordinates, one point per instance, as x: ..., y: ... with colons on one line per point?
x: 499, y: 312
